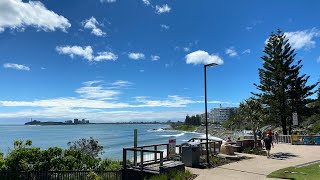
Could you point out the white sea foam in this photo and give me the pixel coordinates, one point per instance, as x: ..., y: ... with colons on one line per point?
x: 173, y: 135
x: 211, y: 137
x: 156, y: 130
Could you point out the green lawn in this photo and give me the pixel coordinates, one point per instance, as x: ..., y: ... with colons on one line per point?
x: 310, y: 172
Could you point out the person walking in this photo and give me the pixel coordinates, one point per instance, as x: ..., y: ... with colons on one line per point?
x: 276, y: 135
x: 267, y: 143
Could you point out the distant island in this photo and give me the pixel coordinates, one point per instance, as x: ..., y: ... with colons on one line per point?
x: 68, y: 122
x: 84, y: 122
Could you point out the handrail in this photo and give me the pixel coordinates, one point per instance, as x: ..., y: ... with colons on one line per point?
x: 142, y: 151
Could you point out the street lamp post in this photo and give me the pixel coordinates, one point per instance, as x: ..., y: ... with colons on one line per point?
x: 205, y: 107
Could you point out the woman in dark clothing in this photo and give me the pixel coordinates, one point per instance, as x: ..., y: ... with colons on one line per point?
x: 267, y: 143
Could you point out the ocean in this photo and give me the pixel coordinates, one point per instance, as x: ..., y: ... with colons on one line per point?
x: 113, y: 137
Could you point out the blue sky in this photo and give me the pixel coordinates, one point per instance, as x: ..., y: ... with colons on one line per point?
x: 125, y: 60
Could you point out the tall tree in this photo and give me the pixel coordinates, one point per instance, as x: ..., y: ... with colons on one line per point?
x: 251, y: 110
x: 282, y: 89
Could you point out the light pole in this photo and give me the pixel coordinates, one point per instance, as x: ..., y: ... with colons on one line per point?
x: 205, y: 106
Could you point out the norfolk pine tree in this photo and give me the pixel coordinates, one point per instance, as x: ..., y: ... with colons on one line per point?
x: 282, y: 89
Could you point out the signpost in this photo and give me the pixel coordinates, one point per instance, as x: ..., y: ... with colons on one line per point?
x: 295, y: 118
x: 172, y: 147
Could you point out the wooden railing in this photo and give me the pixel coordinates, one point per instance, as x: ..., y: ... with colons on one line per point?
x: 146, y: 157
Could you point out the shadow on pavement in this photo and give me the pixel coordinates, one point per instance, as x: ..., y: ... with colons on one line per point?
x: 282, y: 156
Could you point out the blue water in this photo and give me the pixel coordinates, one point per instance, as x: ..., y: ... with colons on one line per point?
x: 113, y: 137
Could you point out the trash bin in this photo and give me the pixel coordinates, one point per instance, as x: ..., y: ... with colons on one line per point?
x: 190, y: 154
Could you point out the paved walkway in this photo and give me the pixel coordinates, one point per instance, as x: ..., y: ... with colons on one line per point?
x: 259, y: 166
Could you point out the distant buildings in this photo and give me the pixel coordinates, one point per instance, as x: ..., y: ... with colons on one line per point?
x: 220, y: 114
x: 77, y: 121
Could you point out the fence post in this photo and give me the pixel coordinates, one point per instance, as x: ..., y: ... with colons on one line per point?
x: 124, y: 158
x: 155, y: 154
x: 141, y: 159
x: 161, y: 159
x: 167, y: 151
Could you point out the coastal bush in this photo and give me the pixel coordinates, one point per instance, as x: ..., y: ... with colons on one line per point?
x: 24, y: 157
x: 92, y: 176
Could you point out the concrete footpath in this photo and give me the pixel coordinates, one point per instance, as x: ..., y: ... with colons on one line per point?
x: 258, y: 167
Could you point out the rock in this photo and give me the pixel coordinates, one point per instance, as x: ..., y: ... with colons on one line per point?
x: 226, y: 149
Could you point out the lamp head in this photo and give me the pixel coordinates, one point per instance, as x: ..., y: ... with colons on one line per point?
x: 211, y: 64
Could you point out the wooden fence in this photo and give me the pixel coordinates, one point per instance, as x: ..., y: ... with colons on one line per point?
x: 58, y: 175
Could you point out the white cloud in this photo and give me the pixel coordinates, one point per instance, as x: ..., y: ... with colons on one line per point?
x: 136, y: 56
x: 65, y: 102
x: 92, y: 24
x: 146, y: 2
x: 96, y: 90
x: 121, y: 83
x: 108, y: 1
x: 202, y: 57
x: 155, y: 57
x: 231, y: 52
x: 15, y: 14
x: 85, y: 52
x: 163, y: 9
x: 99, y: 115
x: 303, y: 39
x: 105, y: 56
x: 186, y: 49
x: 170, y: 101
x: 318, y: 60
x: 164, y: 27
x: 247, y: 51
x: 141, y: 70
x: 16, y: 66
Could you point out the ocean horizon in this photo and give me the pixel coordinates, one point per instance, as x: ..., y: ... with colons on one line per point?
x: 113, y: 137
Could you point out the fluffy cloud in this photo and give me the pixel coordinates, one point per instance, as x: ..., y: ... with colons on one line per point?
x: 136, y: 56
x: 93, y: 24
x: 120, y: 83
x: 108, y: 1
x: 16, y: 66
x: 146, y: 2
x: 164, y: 27
x: 105, y: 56
x: 302, y: 39
x: 84, y: 52
x: 171, y: 101
x: 202, y: 57
x: 15, y: 14
x: 155, y: 57
x: 163, y: 9
x: 186, y: 49
x: 231, y: 52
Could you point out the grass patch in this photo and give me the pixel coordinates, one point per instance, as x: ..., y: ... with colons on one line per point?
x: 186, y: 128
x: 310, y: 172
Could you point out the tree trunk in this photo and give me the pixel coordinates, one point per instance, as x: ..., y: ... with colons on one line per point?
x: 255, y: 138
x: 284, y: 125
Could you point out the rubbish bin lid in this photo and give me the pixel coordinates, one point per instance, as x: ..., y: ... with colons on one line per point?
x: 192, y: 144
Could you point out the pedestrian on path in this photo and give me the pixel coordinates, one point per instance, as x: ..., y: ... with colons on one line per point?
x: 267, y: 143
x: 276, y: 135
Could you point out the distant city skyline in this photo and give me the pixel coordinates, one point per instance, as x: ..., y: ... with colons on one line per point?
x: 142, y: 60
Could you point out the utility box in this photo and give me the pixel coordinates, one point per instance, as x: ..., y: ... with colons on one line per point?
x: 190, y: 154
